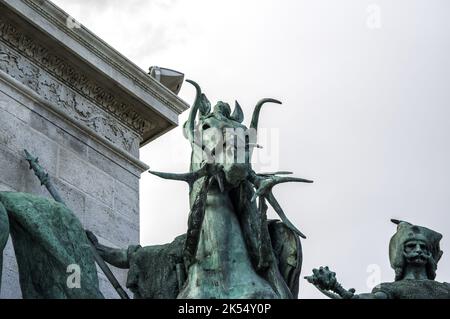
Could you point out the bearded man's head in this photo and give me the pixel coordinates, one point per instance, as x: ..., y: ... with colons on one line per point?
x: 414, y: 245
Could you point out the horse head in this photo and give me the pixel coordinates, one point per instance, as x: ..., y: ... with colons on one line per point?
x: 219, y: 137
x: 223, y: 191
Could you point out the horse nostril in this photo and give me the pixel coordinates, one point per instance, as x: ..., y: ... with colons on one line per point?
x: 206, y: 127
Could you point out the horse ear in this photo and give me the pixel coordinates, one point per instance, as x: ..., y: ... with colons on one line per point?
x: 185, y: 132
x: 204, y: 105
x: 238, y: 114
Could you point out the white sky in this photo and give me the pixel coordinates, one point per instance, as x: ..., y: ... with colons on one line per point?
x: 366, y: 112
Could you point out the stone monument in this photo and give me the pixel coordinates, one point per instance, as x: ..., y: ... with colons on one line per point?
x: 231, y: 250
x: 85, y: 110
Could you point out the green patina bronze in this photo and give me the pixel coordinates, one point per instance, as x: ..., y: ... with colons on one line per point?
x: 45, y: 180
x: 230, y: 249
x: 414, y: 253
x: 40, y: 228
x: 48, y: 240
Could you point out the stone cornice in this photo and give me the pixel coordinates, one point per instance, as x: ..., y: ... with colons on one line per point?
x: 81, y: 42
x: 60, y: 68
x: 125, y: 155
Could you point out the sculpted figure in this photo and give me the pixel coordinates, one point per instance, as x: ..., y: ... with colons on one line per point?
x: 230, y: 249
x: 414, y: 253
x: 55, y: 256
x: 50, y: 245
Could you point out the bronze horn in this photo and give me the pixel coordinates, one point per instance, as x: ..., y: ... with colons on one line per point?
x: 257, y: 111
x: 201, y: 104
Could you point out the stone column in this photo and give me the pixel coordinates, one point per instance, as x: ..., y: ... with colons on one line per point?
x: 85, y: 110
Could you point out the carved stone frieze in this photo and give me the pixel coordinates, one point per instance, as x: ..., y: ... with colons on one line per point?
x: 75, y: 105
x: 58, y: 82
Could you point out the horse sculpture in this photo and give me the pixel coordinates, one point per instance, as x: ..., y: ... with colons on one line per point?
x: 231, y: 249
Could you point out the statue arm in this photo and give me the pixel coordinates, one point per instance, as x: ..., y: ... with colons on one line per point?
x: 325, y: 280
x: 113, y: 256
x: 376, y: 295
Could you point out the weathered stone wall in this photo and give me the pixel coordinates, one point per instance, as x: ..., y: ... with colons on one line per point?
x: 101, y: 190
x: 85, y: 111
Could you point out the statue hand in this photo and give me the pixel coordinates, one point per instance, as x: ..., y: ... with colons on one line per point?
x: 323, y: 278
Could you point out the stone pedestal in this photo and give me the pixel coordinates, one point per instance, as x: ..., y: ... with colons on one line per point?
x: 85, y: 111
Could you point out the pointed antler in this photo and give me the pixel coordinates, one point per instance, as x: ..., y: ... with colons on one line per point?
x: 265, y: 184
x: 211, y: 170
x: 276, y: 206
x: 188, y: 177
x: 276, y: 173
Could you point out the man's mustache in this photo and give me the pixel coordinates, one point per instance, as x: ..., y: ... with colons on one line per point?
x: 424, y: 256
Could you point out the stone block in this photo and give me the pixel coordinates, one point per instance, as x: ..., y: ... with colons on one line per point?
x: 10, y: 105
x: 16, y: 136
x: 5, y: 188
x: 10, y: 280
x: 10, y: 285
x: 128, y: 176
x: 126, y: 201
x: 108, y: 224
x: 8, y: 253
x: 73, y: 198
x: 105, y: 286
x: 84, y: 110
x: 62, y: 137
x: 86, y: 177
x: 12, y: 169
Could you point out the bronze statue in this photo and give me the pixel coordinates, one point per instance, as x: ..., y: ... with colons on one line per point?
x: 230, y: 249
x: 414, y: 253
x: 48, y: 241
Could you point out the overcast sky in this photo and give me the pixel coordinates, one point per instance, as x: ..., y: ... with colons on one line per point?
x: 366, y: 114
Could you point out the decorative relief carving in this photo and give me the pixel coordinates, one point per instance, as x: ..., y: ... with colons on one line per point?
x: 62, y: 70
x: 74, y: 104
x: 62, y: 26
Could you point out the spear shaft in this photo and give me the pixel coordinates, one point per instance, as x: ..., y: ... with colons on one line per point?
x: 44, y: 178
